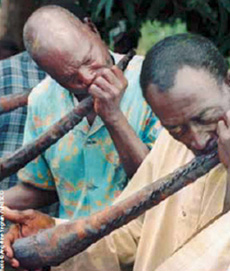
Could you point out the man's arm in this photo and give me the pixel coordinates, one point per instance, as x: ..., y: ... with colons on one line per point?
x: 27, y: 223
x: 37, y: 187
x: 25, y: 196
x: 116, y: 250
x: 223, y: 131
x: 107, y: 90
x: 132, y: 151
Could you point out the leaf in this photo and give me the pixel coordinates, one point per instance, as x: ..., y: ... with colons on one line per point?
x: 206, y: 11
x: 129, y: 11
x: 226, y: 4
x: 225, y: 45
x: 155, y: 8
x: 100, y: 6
x: 108, y: 9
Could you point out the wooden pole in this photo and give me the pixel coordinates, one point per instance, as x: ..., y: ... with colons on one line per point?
x: 54, y: 246
x: 27, y: 153
x: 13, y: 101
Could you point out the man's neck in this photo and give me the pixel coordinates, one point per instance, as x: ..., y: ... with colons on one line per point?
x: 81, y: 97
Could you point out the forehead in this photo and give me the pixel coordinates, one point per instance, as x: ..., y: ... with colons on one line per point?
x: 72, y: 50
x: 194, y: 90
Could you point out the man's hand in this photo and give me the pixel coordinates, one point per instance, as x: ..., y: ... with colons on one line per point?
x: 223, y: 131
x: 107, y: 91
x: 28, y: 222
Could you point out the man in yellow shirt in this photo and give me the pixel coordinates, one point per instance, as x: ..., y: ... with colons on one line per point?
x: 185, y: 80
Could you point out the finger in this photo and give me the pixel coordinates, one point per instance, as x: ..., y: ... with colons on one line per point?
x: 118, y: 73
x: 120, y: 76
x: 109, y: 76
x: 105, y: 86
x: 9, y: 239
x: 14, y: 263
x: 228, y: 118
x: 221, y: 128
x: 116, y: 79
x: 8, y: 247
x: 98, y: 93
x: 224, y: 136
x: 14, y: 216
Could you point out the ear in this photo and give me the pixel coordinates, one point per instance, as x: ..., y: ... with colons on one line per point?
x: 91, y: 26
x: 227, y: 79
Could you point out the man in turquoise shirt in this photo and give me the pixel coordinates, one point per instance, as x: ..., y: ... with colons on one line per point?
x: 90, y: 165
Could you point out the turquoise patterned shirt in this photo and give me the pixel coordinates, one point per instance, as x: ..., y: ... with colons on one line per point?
x: 84, y: 165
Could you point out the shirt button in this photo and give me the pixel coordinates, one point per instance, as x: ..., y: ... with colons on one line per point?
x: 90, y: 141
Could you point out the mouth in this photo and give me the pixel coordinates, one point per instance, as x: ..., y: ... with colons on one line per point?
x: 210, y: 147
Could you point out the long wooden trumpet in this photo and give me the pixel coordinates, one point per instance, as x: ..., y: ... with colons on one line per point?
x: 54, y: 246
x: 27, y: 153
x: 13, y: 101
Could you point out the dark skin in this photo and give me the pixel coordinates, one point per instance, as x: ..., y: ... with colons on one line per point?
x: 23, y: 195
x: 221, y: 126
x: 88, y: 69
x: 83, y: 65
x: 27, y: 223
x: 91, y: 72
x: 223, y: 131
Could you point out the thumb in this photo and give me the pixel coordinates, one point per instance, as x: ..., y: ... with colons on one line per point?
x: 14, y: 216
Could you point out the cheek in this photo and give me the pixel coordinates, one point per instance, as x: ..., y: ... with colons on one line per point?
x: 210, y: 128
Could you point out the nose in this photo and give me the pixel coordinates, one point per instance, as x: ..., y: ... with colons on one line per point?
x: 199, y: 138
x: 85, y: 76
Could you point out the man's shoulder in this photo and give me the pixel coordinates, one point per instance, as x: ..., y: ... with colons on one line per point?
x: 20, y: 61
x: 19, y: 73
x: 48, y: 94
x: 45, y: 89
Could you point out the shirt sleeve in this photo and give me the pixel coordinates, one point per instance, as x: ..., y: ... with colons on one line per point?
x: 151, y: 128
x: 208, y: 250
x: 115, y: 252
x: 37, y: 172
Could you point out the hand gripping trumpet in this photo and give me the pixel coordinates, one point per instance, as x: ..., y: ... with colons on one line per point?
x: 27, y: 153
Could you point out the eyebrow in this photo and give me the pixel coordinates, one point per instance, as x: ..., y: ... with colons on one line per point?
x: 172, y: 126
x: 193, y: 119
x: 203, y: 113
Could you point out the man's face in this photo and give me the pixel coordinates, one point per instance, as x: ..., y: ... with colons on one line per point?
x: 77, y: 64
x: 191, y: 109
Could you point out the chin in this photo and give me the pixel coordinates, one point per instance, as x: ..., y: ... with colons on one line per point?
x: 205, y: 151
x: 199, y: 152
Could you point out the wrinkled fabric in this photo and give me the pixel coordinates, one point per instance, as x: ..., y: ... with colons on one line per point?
x: 18, y: 73
x: 83, y: 166
x: 148, y: 242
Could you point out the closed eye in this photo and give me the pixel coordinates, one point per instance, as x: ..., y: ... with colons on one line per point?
x: 176, y: 131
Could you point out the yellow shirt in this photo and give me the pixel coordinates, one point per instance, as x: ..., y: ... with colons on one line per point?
x: 150, y: 240
x: 208, y: 251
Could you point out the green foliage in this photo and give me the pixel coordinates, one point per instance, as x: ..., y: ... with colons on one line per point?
x: 152, y: 32
x: 207, y: 17
x: 210, y: 18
